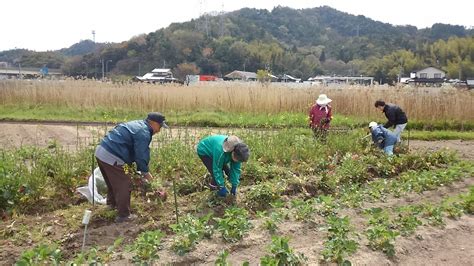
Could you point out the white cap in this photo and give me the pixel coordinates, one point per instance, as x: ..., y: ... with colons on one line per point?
x: 372, y: 124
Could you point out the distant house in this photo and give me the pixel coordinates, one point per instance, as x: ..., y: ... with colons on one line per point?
x: 430, y: 73
x: 241, y: 75
x: 288, y: 78
x: 470, y: 83
x: 200, y: 78
x: 340, y: 80
x: 161, y: 75
x: 428, y: 76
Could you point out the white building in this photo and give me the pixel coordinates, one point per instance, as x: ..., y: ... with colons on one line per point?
x: 429, y: 73
x: 161, y: 75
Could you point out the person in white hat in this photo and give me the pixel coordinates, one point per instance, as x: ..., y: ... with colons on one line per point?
x: 222, y: 153
x: 383, y: 137
x: 320, y: 116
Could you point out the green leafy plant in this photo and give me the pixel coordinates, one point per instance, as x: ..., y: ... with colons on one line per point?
x: 434, y: 214
x: 189, y: 231
x: 222, y: 259
x: 326, y: 205
x: 303, y: 210
x: 145, y: 247
x: 90, y: 257
x: 261, y: 195
x: 468, y: 201
x: 453, y: 208
x: 407, y: 222
x: 41, y: 255
x: 234, y: 224
x: 339, y: 245
x: 282, y: 254
x: 380, y: 234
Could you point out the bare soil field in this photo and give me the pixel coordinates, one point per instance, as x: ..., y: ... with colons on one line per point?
x: 448, y: 245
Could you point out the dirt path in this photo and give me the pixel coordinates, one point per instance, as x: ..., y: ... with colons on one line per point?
x: 465, y: 149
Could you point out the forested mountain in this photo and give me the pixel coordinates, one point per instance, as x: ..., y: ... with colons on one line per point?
x: 302, y: 43
x: 82, y: 48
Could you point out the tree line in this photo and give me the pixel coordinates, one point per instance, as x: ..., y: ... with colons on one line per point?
x: 302, y: 43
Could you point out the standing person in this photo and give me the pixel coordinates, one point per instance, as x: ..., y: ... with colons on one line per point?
x: 126, y: 143
x: 383, y: 137
x: 320, y: 115
x: 222, y: 153
x: 395, y: 115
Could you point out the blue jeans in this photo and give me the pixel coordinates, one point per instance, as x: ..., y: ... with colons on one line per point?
x: 388, y: 150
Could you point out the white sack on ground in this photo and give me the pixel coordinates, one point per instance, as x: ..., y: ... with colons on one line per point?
x: 93, y: 186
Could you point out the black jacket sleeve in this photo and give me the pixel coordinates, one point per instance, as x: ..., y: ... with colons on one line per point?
x: 395, y: 115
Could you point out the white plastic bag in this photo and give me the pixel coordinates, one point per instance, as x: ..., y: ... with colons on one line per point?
x: 92, y: 187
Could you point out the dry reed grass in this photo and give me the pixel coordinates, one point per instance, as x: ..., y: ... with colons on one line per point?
x: 432, y: 104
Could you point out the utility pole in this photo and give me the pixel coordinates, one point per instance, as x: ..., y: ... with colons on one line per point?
x: 221, y: 21
x: 107, y: 66
x: 103, y: 69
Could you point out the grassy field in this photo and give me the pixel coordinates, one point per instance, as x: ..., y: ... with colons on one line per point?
x: 230, y: 104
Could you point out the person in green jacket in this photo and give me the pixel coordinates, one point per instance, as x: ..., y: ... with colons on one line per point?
x: 222, y: 153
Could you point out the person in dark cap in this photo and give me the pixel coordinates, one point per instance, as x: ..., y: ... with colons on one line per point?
x: 222, y: 153
x: 126, y: 143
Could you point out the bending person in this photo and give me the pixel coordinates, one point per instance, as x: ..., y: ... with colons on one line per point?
x: 126, y: 143
x: 383, y: 137
x: 222, y: 153
x: 395, y: 115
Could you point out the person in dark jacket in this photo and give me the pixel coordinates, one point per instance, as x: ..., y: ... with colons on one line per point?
x: 127, y: 143
x: 222, y: 153
x: 395, y: 116
x: 383, y: 137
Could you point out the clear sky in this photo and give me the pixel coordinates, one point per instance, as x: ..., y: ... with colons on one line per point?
x: 54, y: 24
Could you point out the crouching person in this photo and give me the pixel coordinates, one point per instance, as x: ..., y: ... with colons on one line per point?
x: 221, y: 153
x: 383, y: 138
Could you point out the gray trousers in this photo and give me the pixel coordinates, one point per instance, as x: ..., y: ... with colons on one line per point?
x: 119, y: 187
x: 398, y: 131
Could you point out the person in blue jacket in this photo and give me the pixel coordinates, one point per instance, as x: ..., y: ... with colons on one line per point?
x: 383, y: 137
x: 222, y: 153
x: 126, y: 143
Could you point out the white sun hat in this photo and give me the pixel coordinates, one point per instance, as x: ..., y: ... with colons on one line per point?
x: 230, y: 142
x: 372, y: 124
x: 323, y: 99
